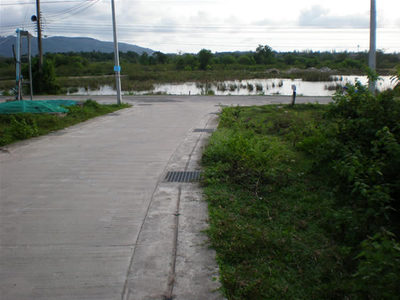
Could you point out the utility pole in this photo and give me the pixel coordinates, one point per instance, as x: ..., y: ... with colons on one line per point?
x: 18, y: 63
x: 30, y: 65
x: 39, y: 28
x: 372, y: 45
x: 117, y: 67
x: 18, y: 66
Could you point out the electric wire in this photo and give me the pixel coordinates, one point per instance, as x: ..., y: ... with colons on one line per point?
x: 42, y: 2
x: 46, y: 20
x: 51, y: 11
x: 245, y: 45
x: 72, y: 11
x: 54, y: 24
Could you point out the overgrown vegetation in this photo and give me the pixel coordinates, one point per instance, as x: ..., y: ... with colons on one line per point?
x: 396, y: 79
x: 141, y: 72
x: 23, y: 126
x: 304, y: 200
x: 44, y: 81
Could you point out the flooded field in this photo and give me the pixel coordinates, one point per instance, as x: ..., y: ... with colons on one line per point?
x: 276, y: 86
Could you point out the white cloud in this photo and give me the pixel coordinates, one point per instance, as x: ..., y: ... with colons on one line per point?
x: 266, y: 22
x: 201, y: 17
x: 218, y: 25
x: 317, y: 16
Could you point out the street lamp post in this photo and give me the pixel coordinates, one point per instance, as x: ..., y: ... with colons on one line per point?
x: 117, y: 67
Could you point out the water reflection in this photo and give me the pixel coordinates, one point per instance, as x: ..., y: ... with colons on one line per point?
x: 275, y: 86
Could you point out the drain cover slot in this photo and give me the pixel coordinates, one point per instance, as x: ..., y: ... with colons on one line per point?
x: 183, y: 176
x: 208, y: 130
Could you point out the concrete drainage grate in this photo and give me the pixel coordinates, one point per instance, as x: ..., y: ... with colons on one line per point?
x: 208, y: 130
x: 183, y: 176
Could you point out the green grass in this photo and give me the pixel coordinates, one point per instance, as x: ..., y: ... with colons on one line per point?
x: 23, y: 126
x: 275, y: 217
x: 265, y: 207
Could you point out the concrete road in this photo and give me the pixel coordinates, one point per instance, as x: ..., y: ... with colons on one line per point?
x: 85, y: 212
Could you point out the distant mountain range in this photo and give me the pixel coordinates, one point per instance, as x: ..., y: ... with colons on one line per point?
x: 68, y: 44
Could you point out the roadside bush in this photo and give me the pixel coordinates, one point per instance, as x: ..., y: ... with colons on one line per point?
x: 379, y: 268
x: 264, y: 212
x: 360, y: 155
x: 304, y: 201
x: 20, y: 128
x: 23, y: 128
x: 364, y: 156
x: 92, y: 104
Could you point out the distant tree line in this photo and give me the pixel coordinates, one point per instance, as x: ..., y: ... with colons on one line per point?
x: 264, y: 57
x: 97, y: 63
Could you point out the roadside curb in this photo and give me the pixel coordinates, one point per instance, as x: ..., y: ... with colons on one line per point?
x: 172, y: 259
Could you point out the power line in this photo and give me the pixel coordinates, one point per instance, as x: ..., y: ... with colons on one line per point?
x: 73, y: 10
x: 43, y: 2
x: 72, y: 1
x: 240, y: 28
x: 197, y: 30
x: 194, y: 30
x: 62, y: 15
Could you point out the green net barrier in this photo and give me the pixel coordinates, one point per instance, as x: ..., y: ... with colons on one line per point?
x: 36, y: 107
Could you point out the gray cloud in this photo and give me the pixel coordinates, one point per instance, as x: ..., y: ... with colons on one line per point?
x: 318, y: 16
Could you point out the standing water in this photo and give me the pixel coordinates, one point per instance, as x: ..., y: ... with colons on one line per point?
x: 275, y: 86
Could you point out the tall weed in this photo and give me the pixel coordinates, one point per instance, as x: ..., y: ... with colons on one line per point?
x: 360, y: 155
x: 304, y: 202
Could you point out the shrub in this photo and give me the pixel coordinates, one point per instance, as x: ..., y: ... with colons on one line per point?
x: 44, y: 81
x: 366, y: 152
x: 343, y: 192
x: 379, y: 268
x: 248, y: 160
x: 20, y: 127
x: 23, y: 129
x: 246, y: 60
x: 204, y: 57
x: 360, y: 155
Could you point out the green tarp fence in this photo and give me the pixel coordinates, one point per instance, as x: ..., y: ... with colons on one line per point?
x: 36, y: 107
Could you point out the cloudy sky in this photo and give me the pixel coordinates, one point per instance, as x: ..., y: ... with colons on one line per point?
x: 219, y: 25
